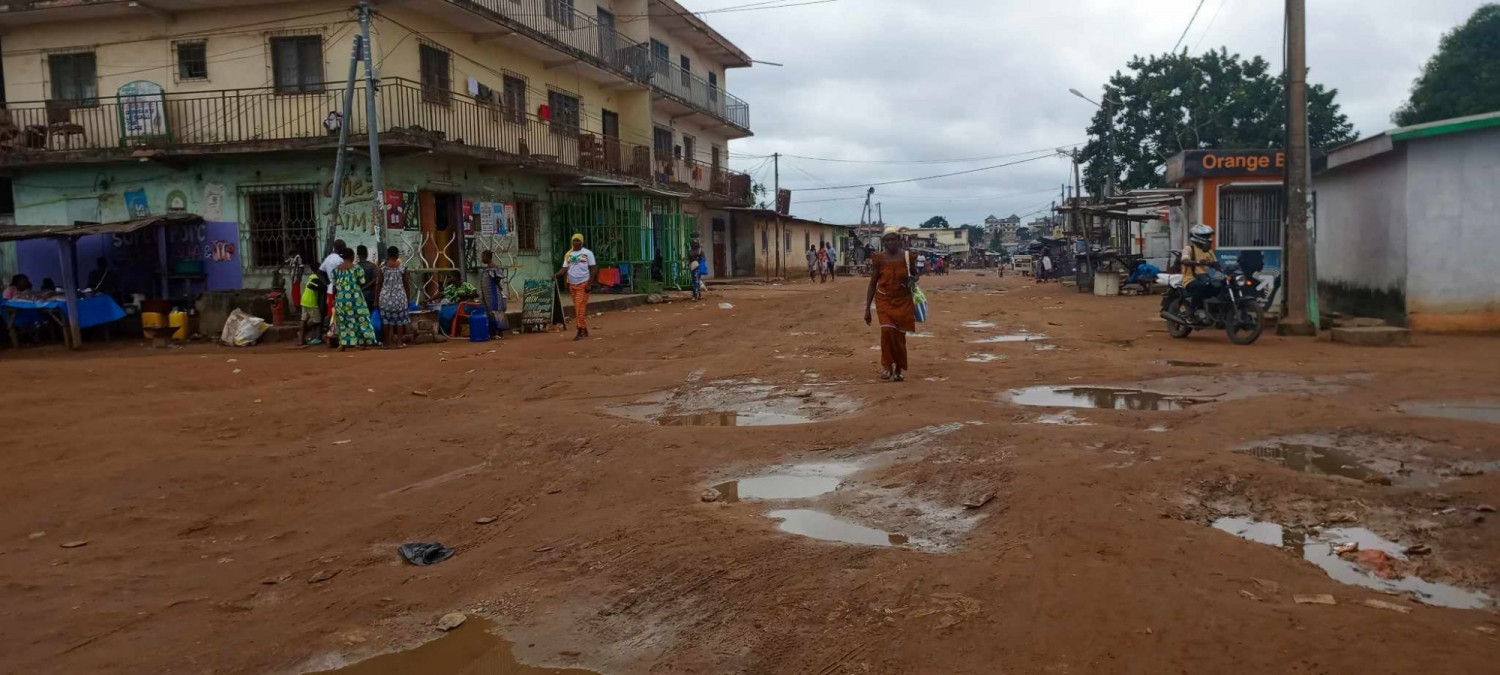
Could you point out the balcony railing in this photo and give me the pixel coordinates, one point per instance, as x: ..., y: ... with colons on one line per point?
x: 671, y: 79
x: 560, y: 26
x: 244, y: 120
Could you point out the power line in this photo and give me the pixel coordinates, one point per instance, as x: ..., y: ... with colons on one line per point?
x: 955, y: 160
x: 1188, y: 26
x: 943, y: 175
x: 1210, y: 25
x: 752, y: 7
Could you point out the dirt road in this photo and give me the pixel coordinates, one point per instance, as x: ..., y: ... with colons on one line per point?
x: 241, y: 508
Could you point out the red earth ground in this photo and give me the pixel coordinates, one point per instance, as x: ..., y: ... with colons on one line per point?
x: 242, y: 507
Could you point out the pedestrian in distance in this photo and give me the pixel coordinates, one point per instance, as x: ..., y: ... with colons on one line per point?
x: 351, y: 314
x: 325, y: 301
x: 893, y: 275
x: 393, y: 288
x: 812, y: 263
x: 581, y: 269
x: 822, y: 262
x: 696, y: 264
x: 371, y: 270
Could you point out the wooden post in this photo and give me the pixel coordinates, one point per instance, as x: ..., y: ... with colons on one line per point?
x: 161, y: 256
x: 67, y: 250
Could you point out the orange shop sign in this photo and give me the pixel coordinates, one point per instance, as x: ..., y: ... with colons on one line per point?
x: 1218, y: 163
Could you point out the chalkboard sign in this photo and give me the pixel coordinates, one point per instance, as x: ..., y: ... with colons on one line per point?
x: 541, y: 307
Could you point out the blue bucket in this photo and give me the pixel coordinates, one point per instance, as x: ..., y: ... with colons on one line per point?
x: 479, y: 327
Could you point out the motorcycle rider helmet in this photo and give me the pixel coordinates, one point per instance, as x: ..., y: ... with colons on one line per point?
x: 1202, y: 236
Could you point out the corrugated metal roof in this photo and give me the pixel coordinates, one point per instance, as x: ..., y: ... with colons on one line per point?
x: 20, y: 232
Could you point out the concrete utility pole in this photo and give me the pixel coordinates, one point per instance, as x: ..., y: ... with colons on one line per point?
x: 377, y: 176
x: 1296, y: 270
x: 341, y: 163
x: 776, y: 206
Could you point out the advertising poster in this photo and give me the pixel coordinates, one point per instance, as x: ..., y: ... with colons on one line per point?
x: 502, y: 226
x: 468, y: 218
x: 486, y: 217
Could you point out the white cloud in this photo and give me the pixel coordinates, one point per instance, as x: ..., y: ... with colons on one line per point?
x: 929, y: 79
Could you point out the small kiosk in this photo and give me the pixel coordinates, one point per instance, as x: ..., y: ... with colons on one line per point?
x: 1239, y: 193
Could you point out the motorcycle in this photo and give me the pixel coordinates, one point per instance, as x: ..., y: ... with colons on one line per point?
x: 1238, y: 306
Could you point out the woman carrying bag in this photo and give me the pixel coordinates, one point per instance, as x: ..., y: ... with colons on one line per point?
x: 897, y: 301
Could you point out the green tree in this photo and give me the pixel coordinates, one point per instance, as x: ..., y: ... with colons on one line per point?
x: 935, y: 221
x: 1463, y: 77
x: 1166, y: 104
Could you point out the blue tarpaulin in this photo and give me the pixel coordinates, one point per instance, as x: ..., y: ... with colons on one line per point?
x: 92, y: 311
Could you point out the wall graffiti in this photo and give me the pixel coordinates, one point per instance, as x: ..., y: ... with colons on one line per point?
x: 356, y: 204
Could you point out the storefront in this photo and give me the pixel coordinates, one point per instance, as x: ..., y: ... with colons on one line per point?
x: 1240, y: 194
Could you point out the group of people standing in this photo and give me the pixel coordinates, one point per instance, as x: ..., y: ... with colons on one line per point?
x: 821, y: 262
x: 338, y: 297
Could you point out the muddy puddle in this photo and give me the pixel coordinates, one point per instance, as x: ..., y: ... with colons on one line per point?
x: 735, y: 403
x: 1013, y: 337
x: 825, y: 527
x: 1469, y: 411
x: 470, y: 649
x: 1109, y: 398
x: 1173, y: 393
x: 983, y: 358
x: 1192, y: 364
x: 1368, y: 560
x: 1372, y: 458
x: 815, y: 491
x: 1066, y: 418
x: 797, y: 481
x: 980, y: 324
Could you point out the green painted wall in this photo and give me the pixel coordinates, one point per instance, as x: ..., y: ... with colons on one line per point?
x: 58, y: 196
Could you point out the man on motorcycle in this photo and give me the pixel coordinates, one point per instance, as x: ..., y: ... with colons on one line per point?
x: 1196, y: 261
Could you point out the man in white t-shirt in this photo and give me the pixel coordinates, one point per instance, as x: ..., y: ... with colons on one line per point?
x: 582, y: 269
x: 330, y: 261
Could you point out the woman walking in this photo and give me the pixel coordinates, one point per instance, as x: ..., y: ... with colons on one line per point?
x: 351, y: 314
x: 395, y: 306
x: 581, y: 269
x: 892, y: 277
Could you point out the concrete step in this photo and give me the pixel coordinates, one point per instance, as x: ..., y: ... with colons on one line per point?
x: 1372, y: 336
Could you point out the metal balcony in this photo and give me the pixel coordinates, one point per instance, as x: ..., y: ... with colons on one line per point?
x: 560, y: 29
x: 687, y: 89
x: 176, y: 127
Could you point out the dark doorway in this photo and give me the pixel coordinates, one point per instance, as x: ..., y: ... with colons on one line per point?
x: 442, y: 249
x: 720, y: 250
x: 611, y: 121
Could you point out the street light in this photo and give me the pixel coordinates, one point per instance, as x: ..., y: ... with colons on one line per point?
x: 1109, y: 178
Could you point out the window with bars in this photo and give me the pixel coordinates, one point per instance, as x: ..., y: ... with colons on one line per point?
x: 281, y: 221
x: 528, y: 225
x: 560, y: 11
x: 513, y: 99
x: 1250, y: 217
x: 661, y: 142
x: 297, y: 63
x: 192, y: 60
x: 565, y: 113
x: 661, y: 57
x: 437, y: 74
x: 74, y: 77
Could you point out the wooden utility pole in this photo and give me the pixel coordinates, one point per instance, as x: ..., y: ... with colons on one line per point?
x: 1296, y: 268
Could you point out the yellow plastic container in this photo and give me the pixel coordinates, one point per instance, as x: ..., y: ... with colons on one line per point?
x: 178, y: 319
x: 152, y: 320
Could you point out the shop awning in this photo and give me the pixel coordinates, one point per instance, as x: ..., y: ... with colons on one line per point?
x: 22, y: 232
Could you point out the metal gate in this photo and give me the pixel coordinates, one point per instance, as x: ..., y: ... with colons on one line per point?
x: 645, y: 238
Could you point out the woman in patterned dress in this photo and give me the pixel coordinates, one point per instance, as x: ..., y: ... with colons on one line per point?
x: 391, y: 287
x: 351, y: 315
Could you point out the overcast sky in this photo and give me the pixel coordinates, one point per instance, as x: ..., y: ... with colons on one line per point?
x: 880, y: 80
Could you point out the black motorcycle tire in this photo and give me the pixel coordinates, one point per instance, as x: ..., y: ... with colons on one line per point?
x: 1177, y: 330
x: 1245, y: 329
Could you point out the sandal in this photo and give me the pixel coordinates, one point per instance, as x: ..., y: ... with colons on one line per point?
x: 897, y: 376
x: 885, y: 375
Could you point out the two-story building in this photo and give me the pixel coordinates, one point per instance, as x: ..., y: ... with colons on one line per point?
x: 502, y: 125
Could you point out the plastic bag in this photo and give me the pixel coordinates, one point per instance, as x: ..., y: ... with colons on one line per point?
x: 242, y: 330
x: 919, y: 299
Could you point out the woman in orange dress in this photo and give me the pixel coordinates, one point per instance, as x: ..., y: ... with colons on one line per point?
x: 893, y: 273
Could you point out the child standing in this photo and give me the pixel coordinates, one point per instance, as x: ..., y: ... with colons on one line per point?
x: 311, y: 317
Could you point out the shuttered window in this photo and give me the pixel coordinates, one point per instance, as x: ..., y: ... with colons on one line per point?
x: 297, y: 63
x: 1250, y: 217
x: 74, y: 77
x: 437, y: 75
